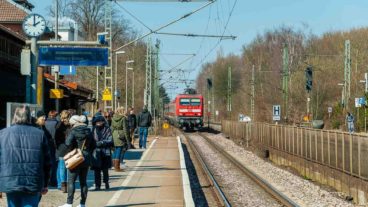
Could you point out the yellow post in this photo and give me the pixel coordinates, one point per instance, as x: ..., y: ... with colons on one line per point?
x: 40, y: 86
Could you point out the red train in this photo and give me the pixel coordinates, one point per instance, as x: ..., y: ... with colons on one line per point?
x: 186, y: 111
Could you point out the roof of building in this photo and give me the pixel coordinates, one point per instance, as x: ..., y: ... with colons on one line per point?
x: 18, y: 35
x: 12, y: 12
x: 72, y: 86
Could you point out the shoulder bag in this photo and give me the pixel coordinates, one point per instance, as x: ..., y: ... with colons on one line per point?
x: 74, y: 158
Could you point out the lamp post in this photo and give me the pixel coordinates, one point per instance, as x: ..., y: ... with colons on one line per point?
x: 115, y: 78
x: 126, y: 81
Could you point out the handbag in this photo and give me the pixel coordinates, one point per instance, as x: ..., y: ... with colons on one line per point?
x: 74, y: 158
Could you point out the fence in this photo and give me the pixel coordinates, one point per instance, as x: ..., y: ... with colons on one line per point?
x: 338, y: 150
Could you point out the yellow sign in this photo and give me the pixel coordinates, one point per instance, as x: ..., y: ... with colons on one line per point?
x: 56, y: 93
x: 165, y: 126
x: 106, y: 95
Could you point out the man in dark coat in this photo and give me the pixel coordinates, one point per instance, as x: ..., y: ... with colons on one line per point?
x: 24, y: 161
x: 102, y: 154
x: 132, y: 123
x: 50, y: 126
x: 144, y: 122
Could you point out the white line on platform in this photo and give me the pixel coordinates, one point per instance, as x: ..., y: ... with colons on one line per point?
x: 188, y: 199
x: 117, y: 194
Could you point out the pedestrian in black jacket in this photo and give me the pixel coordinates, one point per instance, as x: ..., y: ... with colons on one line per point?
x: 63, y: 129
x: 101, y: 161
x: 50, y: 126
x: 132, y: 123
x: 79, y: 135
x: 24, y: 161
x: 144, y: 122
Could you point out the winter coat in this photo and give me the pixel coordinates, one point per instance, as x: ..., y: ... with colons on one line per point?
x: 62, y: 132
x: 24, y: 159
x: 75, y: 139
x: 104, y: 143
x: 120, y: 132
x: 132, y: 121
x: 50, y: 126
x: 144, y: 119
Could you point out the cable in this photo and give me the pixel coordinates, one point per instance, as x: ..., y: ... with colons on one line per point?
x: 134, y: 17
x: 166, y: 25
x: 215, y: 46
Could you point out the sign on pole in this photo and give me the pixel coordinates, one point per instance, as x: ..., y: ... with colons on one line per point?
x: 357, y: 103
x: 276, y: 109
x: 56, y: 93
x: 106, y: 95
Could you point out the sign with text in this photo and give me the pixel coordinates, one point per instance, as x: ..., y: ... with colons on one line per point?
x: 67, y: 70
x: 78, y: 56
x: 276, y: 109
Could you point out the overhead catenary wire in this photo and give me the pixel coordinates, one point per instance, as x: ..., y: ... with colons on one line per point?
x: 218, y: 42
x: 166, y: 25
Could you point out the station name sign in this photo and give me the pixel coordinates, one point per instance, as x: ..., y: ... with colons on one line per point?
x: 77, y: 56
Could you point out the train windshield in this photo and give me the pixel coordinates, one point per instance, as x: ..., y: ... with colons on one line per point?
x: 195, y: 102
x: 185, y: 101
x: 190, y: 101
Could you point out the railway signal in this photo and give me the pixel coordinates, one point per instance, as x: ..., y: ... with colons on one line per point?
x: 309, y: 78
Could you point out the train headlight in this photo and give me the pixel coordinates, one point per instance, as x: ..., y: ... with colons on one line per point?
x: 181, y: 121
x: 198, y: 121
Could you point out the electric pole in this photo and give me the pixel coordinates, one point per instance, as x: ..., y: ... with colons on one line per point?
x: 229, y: 91
x: 347, y: 75
x: 285, y: 79
x: 108, y: 69
x: 253, y: 95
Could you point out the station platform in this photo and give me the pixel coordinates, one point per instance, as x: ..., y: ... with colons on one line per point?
x: 156, y: 176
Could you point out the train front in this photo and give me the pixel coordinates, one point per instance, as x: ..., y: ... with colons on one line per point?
x: 189, y: 111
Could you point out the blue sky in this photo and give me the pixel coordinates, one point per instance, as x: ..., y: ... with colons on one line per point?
x: 248, y: 19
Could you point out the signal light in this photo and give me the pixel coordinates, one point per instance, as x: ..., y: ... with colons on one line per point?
x: 309, y: 78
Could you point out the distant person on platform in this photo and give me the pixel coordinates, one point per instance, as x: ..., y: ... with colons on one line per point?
x: 132, y: 123
x: 350, y: 121
x: 24, y: 161
x: 144, y: 122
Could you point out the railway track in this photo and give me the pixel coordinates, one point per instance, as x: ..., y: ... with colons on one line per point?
x: 217, y: 193
x: 277, y: 195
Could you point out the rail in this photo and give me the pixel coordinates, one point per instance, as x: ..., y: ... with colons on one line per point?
x: 221, y: 198
x: 282, y: 198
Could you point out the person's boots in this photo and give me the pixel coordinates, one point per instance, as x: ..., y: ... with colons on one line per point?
x: 113, y: 163
x: 63, y: 187
x: 107, y: 186
x: 117, y: 166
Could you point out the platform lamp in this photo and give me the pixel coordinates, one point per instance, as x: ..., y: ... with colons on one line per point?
x: 116, y: 94
x: 126, y: 81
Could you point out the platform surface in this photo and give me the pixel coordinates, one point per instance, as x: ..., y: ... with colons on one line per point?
x: 153, y: 177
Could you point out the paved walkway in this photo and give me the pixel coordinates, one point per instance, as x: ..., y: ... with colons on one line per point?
x: 153, y: 178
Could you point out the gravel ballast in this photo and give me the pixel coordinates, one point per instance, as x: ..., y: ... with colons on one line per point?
x: 239, y: 189
x: 298, y: 189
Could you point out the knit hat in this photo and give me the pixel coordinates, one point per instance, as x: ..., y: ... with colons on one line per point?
x: 77, y: 119
x: 98, y: 119
x: 39, y: 114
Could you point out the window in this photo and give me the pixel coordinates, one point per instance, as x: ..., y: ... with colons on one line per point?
x: 195, y: 102
x: 185, y: 101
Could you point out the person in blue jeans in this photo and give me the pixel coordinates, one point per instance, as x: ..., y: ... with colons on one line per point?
x: 25, y: 161
x: 63, y: 129
x: 350, y: 121
x: 144, y: 122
